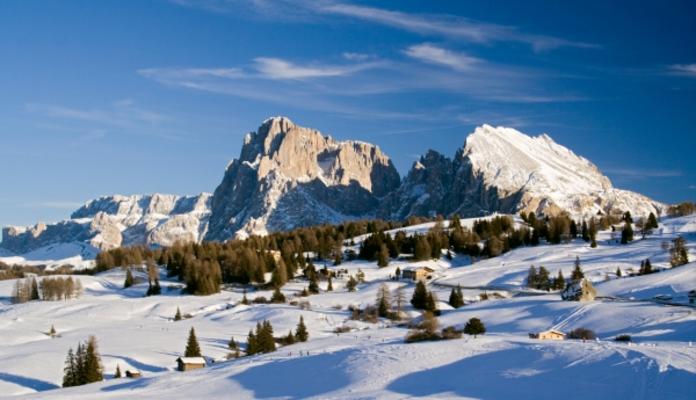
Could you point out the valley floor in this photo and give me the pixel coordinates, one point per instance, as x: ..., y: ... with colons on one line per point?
x: 372, y: 360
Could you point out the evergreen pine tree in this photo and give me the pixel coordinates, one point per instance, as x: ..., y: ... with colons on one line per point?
x: 652, y: 222
x: 192, y: 347
x: 559, y: 284
x: 577, y: 274
x: 118, y: 372
x: 232, y: 345
x: 329, y: 285
x: 245, y: 301
x: 252, y: 347
x: 618, y: 272
x: 584, y: 232
x: 544, y: 283
x: 129, y: 279
x: 278, y: 296
x: 290, y: 338
x: 383, y: 256
x: 420, y: 296
x: 532, y: 278
x: 34, y: 290
x: 70, y: 370
x: 301, y: 333
x: 80, y: 365
x: 474, y: 327
x: 177, y: 316
x: 456, y: 298
x: 52, y: 332
x: 383, y: 301
x: 627, y: 233
x: 398, y: 273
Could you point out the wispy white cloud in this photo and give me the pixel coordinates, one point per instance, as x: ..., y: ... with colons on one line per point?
x: 357, y: 56
x: 124, y: 116
x: 640, y: 173
x: 276, y: 68
x: 432, y: 54
x: 443, y: 25
x: 683, y: 69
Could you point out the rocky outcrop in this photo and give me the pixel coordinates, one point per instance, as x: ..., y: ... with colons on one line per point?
x: 108, y: 222
x: 289, y: 176
x: 503, y: 170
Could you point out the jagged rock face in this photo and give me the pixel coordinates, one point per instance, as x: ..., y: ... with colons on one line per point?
x: 288, y: 176
x: 108, y: 222
x: 503, y: 170
x: 425, y: 191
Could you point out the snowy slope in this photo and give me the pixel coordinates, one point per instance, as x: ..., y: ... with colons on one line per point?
x: 372, y: 361
x: 549, y: 175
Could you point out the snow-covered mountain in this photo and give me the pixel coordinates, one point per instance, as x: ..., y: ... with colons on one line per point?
x: 503, y: 170
x: 112, y: 221
x: 288, y: 176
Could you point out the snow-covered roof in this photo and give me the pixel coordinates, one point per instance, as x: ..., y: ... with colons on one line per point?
x: 416, y: 268
x: 553, y: 331
x: 191, y: 360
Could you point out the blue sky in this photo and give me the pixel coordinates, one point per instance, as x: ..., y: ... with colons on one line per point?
x: 103, y: 97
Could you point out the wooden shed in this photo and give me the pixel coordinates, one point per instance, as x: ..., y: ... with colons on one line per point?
x: 189, y: 363
x: 550, y: 334
x: 133, y: 373
x: 417, y: 273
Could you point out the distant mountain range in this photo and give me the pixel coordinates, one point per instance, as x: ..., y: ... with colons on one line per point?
x: 289, y: 176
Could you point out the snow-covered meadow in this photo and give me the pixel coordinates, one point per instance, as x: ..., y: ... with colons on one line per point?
x: 372, y: 360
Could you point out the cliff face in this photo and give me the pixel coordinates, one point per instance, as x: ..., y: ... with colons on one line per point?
x: 503, y: 170
x: 289, y: 176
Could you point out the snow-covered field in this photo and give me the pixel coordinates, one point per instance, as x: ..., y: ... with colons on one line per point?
x: 372, y: 360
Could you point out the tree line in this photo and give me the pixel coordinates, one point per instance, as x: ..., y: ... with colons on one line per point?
x: 48, y: 288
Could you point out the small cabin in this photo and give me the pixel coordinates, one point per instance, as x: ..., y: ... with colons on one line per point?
x: 417, y: 273
x: 190, y: 363
x: 551, y: 334
x: 133, y: 373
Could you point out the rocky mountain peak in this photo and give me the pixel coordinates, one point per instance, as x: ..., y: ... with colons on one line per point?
x: 283, y: 166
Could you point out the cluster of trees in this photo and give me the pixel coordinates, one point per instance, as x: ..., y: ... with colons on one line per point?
x: 84, y: 365
x: 678, y: 253
x: 427, y: 329
x: 541, y: 279
x: 645, y: 267
x: 50, y: 289
x: 682, y: 209
x: 262, y: 340
x: 456, y: 298
x: 16, y: 271
x: 423, y: 299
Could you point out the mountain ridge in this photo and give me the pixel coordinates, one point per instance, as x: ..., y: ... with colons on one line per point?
x: 288, y: 176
